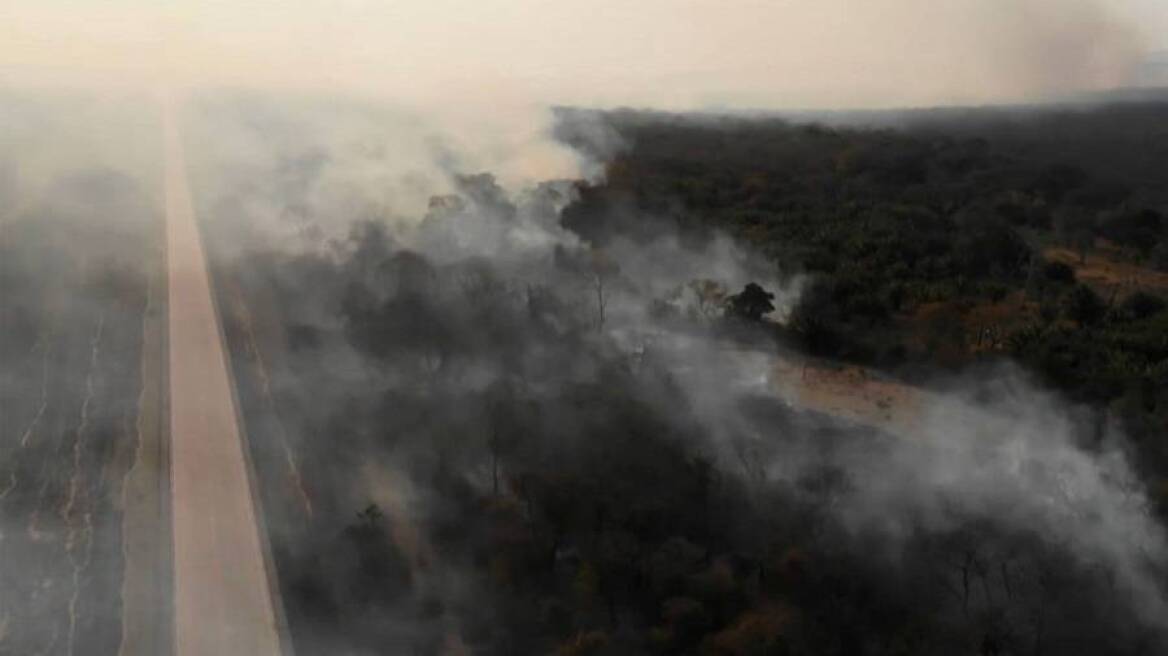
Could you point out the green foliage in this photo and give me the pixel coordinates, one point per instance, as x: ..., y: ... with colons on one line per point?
x: 904, y: 230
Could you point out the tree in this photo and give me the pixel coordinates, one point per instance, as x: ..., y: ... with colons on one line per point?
x: 1141, y: 305
x: 1083, y: 306
x: 1076, y: 229
x: 503, y: 426
x: 600, y: 269
x: 1138, y: 230
x: 986, y: 245
x: 752, y: 303
x: 1058, y: 272
x: 1158, y: 258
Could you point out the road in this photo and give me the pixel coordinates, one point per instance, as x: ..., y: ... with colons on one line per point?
x: 223, y: 600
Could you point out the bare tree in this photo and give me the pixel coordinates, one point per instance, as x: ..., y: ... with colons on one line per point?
x: 601, y: 269
x: 601, y: 299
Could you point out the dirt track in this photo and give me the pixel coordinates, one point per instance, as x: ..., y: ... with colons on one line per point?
x: 223, y: 603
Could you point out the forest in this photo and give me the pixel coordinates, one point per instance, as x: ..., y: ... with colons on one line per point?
x: 936, y: 238
x: 548, y: 422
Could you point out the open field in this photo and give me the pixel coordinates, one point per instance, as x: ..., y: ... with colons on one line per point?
x: 82, y: 539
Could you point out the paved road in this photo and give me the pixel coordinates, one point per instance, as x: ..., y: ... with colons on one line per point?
x: 223, y: 602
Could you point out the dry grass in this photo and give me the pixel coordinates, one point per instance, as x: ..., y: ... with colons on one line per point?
x: 850, y: 392
x: 1105, y: 271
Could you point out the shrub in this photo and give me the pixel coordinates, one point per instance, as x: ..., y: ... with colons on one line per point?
x: 1083, y: 306
x: 1058, y: 272
x: 1142, y: 305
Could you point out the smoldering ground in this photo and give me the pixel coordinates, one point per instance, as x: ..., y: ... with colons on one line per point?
x: 475, y: 430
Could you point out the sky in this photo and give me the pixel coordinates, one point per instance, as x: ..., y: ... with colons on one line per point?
x: 672, y: 54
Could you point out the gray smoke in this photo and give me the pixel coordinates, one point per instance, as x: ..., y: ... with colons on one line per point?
x: 990, y: 449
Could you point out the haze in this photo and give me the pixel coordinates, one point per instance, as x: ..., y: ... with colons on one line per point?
x: 589, y: 329
x: 680, y: 55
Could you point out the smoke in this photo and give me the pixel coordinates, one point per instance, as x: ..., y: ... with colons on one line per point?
x: 78, y: 212
x: 991, y: 447
x: 50, y: 135
x: 489, y: 59
x: 396, y: 345
x: 317, y: 165
x: 408, y: 332
x: 413, y: 326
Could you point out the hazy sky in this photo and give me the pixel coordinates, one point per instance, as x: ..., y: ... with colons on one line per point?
x: 665, y: 53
